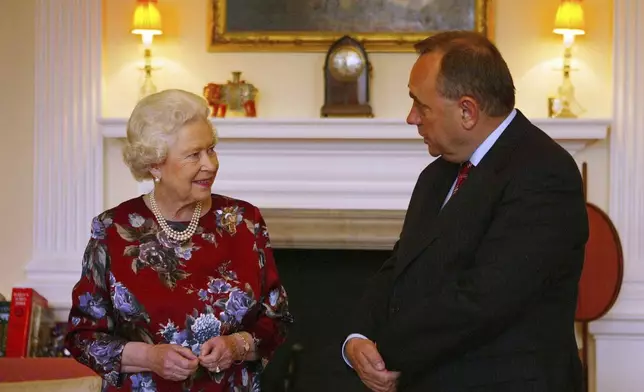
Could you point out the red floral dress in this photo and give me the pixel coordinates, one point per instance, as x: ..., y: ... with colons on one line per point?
x: 137, y: 284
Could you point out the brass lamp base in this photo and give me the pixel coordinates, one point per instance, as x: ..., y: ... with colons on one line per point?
x: 565, y: 113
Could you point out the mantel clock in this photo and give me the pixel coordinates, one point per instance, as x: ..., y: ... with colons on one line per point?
x: 347, y: 74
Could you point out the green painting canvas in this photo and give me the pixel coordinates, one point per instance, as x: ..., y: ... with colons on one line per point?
x: 310, y: 23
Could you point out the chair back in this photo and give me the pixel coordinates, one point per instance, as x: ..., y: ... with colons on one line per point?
x: 601, y: 276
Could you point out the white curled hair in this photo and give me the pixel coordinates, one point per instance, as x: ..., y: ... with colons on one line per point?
x: 153, y: 126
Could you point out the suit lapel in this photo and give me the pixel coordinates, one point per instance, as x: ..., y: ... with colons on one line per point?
x: 422, y: 229
x: 424, y: 209
x: 438, y: 185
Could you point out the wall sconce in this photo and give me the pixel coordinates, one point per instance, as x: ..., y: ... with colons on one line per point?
x: 569, y: 22
x: 147, y: 23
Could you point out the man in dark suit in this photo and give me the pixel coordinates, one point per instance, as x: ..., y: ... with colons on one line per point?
x: 480, y: 292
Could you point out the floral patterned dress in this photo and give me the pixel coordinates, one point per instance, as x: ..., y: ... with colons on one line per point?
x: 137, y: 284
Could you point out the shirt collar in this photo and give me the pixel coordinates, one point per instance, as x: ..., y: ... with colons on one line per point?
x: 487, y: 144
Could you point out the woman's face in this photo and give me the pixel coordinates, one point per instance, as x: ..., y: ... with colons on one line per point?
x: 191, y: 165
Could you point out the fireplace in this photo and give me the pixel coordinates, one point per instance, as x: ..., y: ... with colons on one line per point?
x: 351, y: 177
x: 324, y: 259
x: 323, y: 286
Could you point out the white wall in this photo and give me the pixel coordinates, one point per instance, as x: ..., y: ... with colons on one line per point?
x: 291, y: 84
x: 16, y: 131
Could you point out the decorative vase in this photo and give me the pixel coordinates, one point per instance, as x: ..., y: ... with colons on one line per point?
x: 236, y: 95
x: 240, y: 95
x: 214, y: 94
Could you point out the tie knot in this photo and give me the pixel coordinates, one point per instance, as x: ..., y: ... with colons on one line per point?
x: 462, y: 175
x: 465, y: 168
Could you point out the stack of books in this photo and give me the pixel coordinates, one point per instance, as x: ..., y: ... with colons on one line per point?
x: 26, y: 325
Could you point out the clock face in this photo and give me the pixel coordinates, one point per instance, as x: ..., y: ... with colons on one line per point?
x: 346, y: 63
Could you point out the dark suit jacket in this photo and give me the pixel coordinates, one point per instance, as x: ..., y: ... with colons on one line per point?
x: 481, y: 295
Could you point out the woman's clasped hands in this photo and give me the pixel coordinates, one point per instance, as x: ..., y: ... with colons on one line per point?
x: 218, y: 353
x: 177, y: 363
x: 172, y: 362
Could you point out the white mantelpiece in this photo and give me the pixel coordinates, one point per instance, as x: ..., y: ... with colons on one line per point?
x: 337, y: 164
x: 564, y: 130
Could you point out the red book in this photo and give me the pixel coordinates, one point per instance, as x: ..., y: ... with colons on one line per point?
x: 27, y: 309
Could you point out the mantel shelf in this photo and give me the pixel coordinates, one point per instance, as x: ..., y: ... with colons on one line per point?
x: 335, y: 164
x: 578, y: 130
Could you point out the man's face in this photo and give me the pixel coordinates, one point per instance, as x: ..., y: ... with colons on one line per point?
x: 438, y: 119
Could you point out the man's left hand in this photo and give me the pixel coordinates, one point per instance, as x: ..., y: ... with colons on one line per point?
x: 368, y: 363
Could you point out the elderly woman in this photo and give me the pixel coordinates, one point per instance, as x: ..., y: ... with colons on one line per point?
x: 179, y: 290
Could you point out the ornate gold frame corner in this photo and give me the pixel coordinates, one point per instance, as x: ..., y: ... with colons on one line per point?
x: 219, y: 40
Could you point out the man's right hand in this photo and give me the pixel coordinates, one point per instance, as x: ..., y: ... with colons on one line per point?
x: 367, y: 362
x: 172, y: 362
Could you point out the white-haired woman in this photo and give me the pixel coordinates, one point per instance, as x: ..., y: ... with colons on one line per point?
x: 179, y: 290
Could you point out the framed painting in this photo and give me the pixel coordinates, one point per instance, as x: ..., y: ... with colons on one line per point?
x: 313, y: 25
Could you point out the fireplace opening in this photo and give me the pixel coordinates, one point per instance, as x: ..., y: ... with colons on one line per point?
x: 324, y: 286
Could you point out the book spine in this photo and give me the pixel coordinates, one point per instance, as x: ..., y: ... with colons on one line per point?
x: 4, y: 320
x: 19, y: 322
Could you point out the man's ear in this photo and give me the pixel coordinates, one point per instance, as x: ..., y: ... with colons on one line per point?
x: 469, y: 112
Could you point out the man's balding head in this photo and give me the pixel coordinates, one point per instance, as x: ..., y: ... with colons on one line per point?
x: 471, y: 65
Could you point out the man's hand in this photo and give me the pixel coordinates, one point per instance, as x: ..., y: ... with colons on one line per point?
x: 367, y: 362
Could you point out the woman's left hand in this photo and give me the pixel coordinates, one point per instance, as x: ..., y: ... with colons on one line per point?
x: 217, y: 354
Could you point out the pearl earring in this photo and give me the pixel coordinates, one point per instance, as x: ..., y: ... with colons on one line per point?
x: 157, y: 179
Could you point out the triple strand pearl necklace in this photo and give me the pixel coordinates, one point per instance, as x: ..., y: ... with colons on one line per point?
x: 170, y: 232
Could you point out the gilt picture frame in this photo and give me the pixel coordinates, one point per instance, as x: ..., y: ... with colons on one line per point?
x: 313, y: 25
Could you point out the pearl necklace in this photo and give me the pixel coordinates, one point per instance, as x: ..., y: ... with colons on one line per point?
x: 176, y: 235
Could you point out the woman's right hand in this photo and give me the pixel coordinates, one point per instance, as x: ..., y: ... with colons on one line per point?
x: 172, y: 362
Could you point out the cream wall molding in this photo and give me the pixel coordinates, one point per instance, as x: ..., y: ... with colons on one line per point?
x: 619, y: 336
x: 68, y: 145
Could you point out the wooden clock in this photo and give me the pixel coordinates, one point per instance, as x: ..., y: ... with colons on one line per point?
x: 347, y: 74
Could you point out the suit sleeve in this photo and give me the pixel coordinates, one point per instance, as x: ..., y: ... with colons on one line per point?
x: 538, y: 231
x: 370, y: 313
x: 372, y: 306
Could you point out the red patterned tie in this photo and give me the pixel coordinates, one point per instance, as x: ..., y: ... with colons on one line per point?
x: 462, y: 175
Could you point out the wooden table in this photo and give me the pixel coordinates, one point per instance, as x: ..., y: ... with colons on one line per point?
x: 46, y: 374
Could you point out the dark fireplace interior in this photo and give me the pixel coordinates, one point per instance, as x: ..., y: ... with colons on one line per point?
x: 323, y: 288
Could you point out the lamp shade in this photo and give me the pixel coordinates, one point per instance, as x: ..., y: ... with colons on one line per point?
x: 147, y: 18
x: 570, y: 18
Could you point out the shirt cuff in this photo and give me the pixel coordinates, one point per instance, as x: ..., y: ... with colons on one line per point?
x: 353, y: 335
